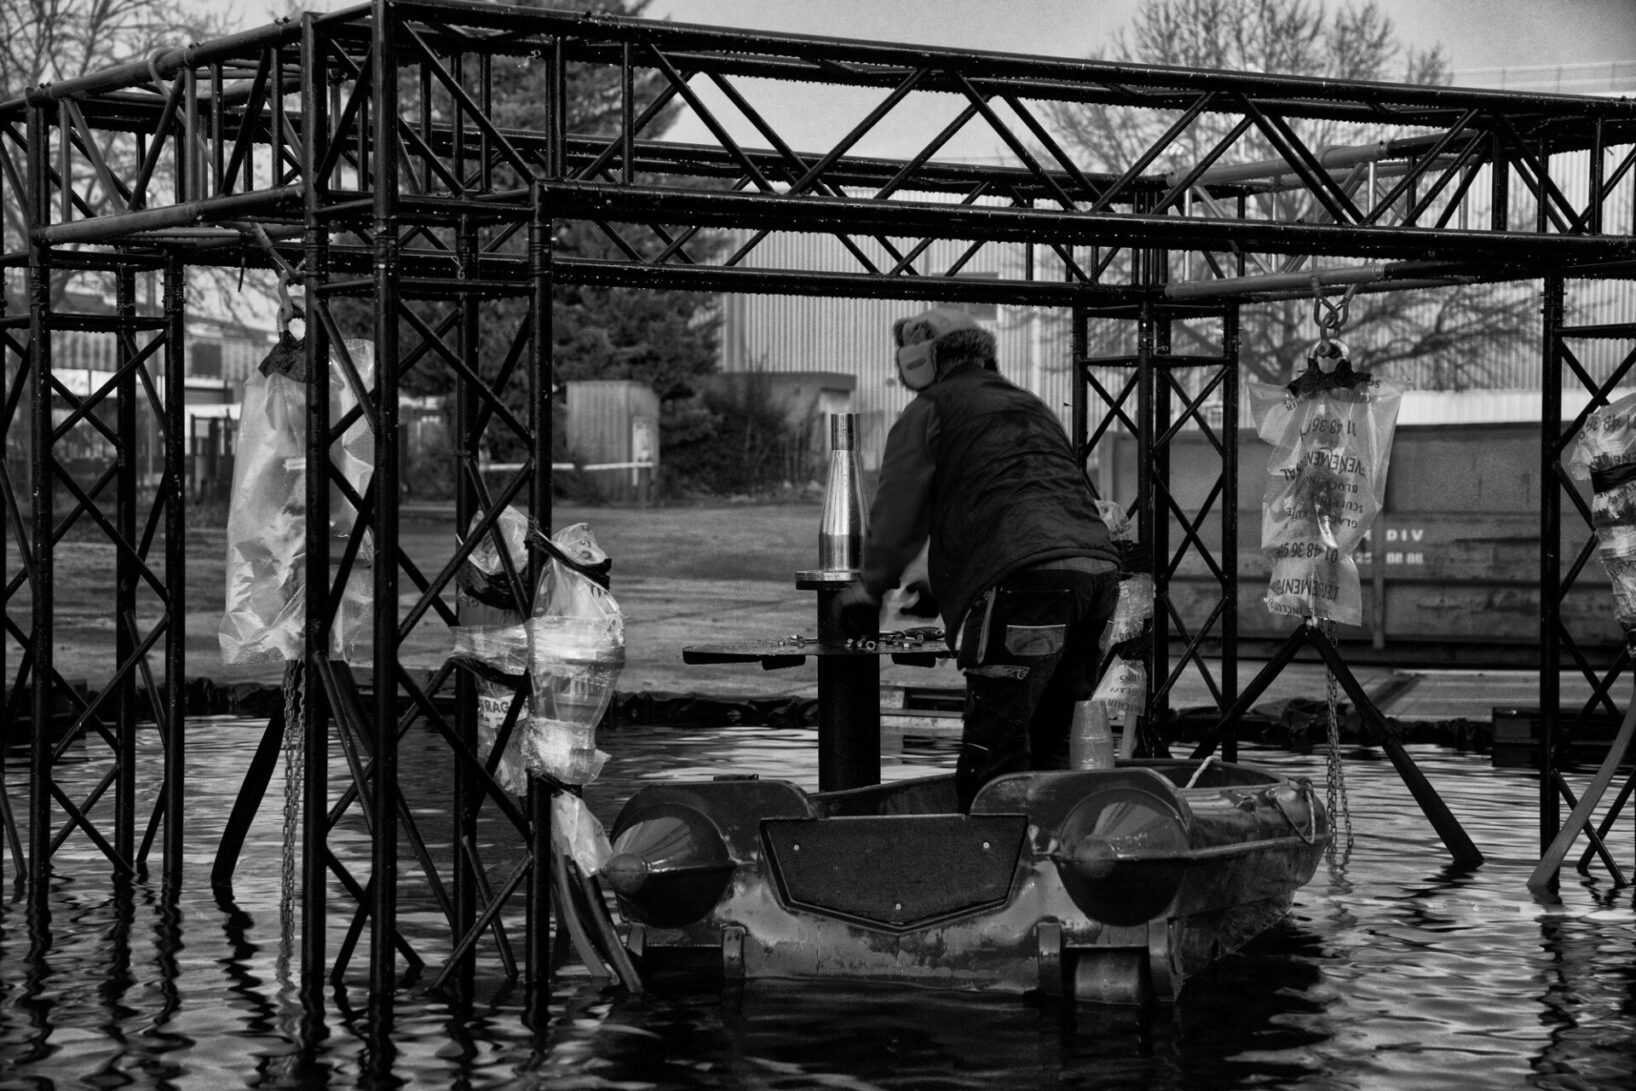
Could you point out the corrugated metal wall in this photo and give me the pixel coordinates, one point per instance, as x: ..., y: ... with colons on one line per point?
x: 612, y: 427
x: 796, y: 333
x: 854, y: 336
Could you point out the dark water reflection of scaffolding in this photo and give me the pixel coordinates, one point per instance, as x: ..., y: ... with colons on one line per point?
x: 1395, y: 970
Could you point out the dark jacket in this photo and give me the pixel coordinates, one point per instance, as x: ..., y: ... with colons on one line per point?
x: 985, y: 470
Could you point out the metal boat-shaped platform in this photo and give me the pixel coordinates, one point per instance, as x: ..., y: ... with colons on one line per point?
x: 1099, y: 885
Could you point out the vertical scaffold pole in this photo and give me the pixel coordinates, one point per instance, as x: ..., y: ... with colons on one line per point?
x: 1150, y: 518
x: 541, y: 380
x: 40, y: 495
x: 1550, y: 559
x: 174, y: 723
x: 125, y: 573
x: 384, y: 181
x: 314, y: 710
x: 1229, y: 521
x: 1081, y: 404
x: 468, y: 789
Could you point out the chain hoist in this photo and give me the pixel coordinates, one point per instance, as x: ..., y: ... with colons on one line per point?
x: 1340, y: 809
x: 294, y: 780
x: 1330, y: 319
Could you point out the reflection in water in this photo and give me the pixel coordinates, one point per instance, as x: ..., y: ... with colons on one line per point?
x: 1394, y: 970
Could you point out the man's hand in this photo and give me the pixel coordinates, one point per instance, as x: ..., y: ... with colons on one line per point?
x: 922, y: 603
x: 859, y: 612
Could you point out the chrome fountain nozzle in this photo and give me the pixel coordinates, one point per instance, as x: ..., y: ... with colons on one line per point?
x: 846, y: 513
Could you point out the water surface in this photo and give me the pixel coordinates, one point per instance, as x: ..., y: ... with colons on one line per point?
x: 1393, y: 971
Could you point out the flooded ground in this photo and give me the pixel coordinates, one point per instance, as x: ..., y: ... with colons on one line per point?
x: 1393, y: 971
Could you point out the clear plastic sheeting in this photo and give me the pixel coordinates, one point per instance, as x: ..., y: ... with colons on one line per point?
x: 576, y: 833
x: 493, y: 637
x: 1133, y: 613
x: 267, y: 519
x: 1605, y: 455
x: 1122, y: 691
x: 491, y: 630
x: 1325, y: 480
x: 1121, y: 527
x: 576, y: 652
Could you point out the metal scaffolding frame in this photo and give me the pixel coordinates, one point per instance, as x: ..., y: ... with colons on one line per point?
x: 368, y: 150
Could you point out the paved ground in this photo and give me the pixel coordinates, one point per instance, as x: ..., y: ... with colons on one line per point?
x: 664, y: 616
x: 681, y: 588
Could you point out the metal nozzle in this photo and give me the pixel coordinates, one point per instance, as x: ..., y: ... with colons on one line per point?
x: 845, y: 521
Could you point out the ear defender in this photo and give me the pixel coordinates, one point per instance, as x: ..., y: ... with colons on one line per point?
x: 917, y: 362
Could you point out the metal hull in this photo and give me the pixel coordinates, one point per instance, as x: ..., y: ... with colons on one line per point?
x: 1108, y: 885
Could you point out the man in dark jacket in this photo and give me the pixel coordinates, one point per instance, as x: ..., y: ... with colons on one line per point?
x: 1021, y: 564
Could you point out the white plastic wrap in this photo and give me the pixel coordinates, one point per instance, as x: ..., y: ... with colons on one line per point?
x: 1325, y: 480
x: 494, y: 637
x: 576, y: 833
x: 489, y: 633
x: 1121, y: 527
x: 576, y: 652
x: 1123, y: 691
x: 1132, y: 612
x: 1605, y: 454
x: 266, y: 521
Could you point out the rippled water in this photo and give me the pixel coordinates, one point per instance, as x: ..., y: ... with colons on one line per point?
x: 1394, y: 972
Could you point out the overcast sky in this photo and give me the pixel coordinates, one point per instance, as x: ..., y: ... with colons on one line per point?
x: 1476, y: 34
x: 1544, y: 45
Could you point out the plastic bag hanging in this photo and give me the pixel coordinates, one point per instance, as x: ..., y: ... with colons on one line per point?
x: 267, y: 515
x: 1331, y: 432
x: 493, y: 639
x: 576, y: 642
x: 1605, y: 454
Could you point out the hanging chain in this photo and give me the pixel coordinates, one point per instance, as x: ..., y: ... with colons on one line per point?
x: 1340, y: 810
x: 1330, y: 317
x: 294, y: 775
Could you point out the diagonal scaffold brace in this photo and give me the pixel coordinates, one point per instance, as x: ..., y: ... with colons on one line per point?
x: 1465, y: 854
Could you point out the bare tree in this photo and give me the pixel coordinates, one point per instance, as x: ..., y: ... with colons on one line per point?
x: 48, y: 41
x: 1434, y: 338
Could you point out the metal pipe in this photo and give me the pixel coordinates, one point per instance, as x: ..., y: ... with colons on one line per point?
x: 126, y: 574
x: 576, y: 200
x: 162, y: 64
x: 468, y: 788
x: 1276, y: 282
x: 540, y: 428
x: 1229, y: 518
x: 174, y: 716
x: 186, y: 214
x: 41, y: 489
x: 1550, y: 556
x: 845, y: 521
x: 878, y: 62
x: 384, y: 487
x: 315, y: 711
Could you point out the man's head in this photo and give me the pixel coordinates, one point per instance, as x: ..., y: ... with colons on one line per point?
x: 934, y: 342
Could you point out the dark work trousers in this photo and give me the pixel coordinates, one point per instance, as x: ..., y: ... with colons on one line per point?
x: 1029, y: 648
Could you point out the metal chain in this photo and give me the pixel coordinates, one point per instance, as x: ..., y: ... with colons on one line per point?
x: 1340, y: 810
x: 294, y: 777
